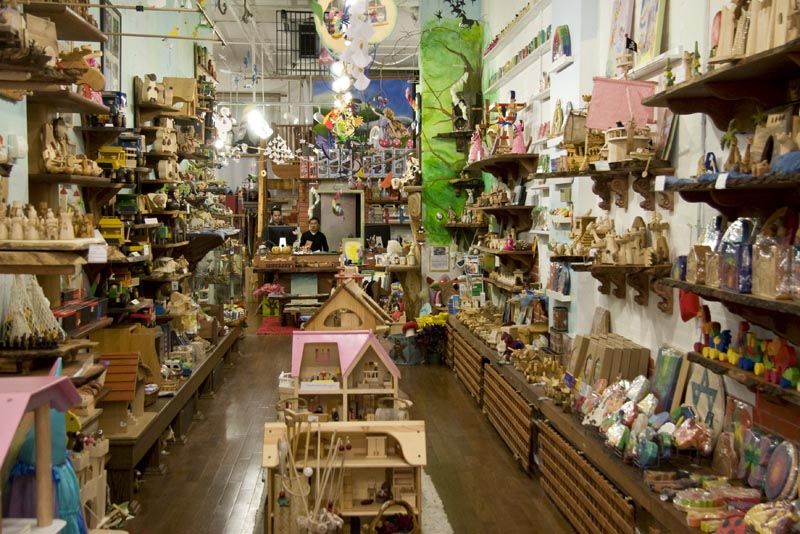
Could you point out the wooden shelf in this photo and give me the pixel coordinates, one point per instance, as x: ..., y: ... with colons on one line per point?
x: 160, y: 182
x: 746, y: 378
x: 161, y: 155
x: 95, y: 137
x: 521, y: 217
x: 506, y: 167
x: 170, y: 245
x: 735, y: 91
x: 93, y: 327
x: 366, y: 510
x: 43, y: 245
x: 45, y: 263
x: 529, y: 252
x: 501, y: 285
x: 200, y: 70
x: 70, y: 26
x: 461, y: 139
x: 132, y: 259
x: 465, y: 225
x: 780, y: 316
x: 172, y: 278
x: 520, y: 67
x: 561, y: 297
x: 130, y: 308
x: 86, y: 181
x: 66, y: 101
x: 561, y: 63
x: 390, y: 223
x: 153, y: 106
x: 742, y: 196
x: 379, y: 201
x: 63, y: 349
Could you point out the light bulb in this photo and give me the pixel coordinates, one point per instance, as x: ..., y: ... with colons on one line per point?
x: 219, y: 143
x: 337, y: 68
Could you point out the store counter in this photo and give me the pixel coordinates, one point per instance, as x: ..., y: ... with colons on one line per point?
x: 297, y: 272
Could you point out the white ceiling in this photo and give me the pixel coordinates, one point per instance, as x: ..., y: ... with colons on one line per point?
x: 258, y: 35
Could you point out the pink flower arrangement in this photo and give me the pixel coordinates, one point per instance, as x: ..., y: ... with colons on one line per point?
x: 270, y: 289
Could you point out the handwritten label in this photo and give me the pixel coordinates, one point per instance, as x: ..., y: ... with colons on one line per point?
x: 722, y: 181
x: 661, y: 182
x: 97, y: 254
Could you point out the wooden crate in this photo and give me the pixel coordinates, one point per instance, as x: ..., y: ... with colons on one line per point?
x: 585, y: 497
x: 510, y: 414
x: 467, y: 364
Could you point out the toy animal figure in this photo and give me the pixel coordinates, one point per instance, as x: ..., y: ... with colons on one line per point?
x: 150, y: 89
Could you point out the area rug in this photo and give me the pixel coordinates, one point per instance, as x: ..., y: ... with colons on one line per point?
x: 272, y: 326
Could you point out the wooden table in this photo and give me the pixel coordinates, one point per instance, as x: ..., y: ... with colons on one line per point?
x: 141, y: 443
x: 285, y: 298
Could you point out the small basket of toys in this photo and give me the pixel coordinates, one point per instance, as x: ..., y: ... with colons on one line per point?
x: 405, y: 523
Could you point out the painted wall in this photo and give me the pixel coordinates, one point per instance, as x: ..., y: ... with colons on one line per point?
x: 448, y: 49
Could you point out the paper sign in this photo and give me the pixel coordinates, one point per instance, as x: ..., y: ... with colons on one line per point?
x: 134, y: 302
x: 151, y: 220
x: 176, y: 286
x: 722, y: 181
x: 602, y: 165
x: 97, y: 254
x: 661, y: 182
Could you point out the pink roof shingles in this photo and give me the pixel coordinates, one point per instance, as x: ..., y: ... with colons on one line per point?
x: 351, y: 344
x: 22, y: 394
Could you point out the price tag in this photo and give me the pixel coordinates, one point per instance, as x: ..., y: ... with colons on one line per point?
x: 151, y: 220
x: 97, y: 254
x: 722, y: 181
x: 134, y: 302
x: 661, y: 182
x: 176, y: 285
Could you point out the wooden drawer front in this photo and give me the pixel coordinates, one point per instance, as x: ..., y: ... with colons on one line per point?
x: 467, y: 364
x: 508, y: 417
x: 583, y: 495
x: 450, y: 352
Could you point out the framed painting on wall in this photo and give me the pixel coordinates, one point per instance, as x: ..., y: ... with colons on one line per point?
x: 621, y: 23
x: 111, y: 22
x: 649, y: 28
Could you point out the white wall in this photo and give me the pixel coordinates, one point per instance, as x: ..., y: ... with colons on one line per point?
x: 589, y: 23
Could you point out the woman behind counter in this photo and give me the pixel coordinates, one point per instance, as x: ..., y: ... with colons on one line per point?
x: 312, y: 239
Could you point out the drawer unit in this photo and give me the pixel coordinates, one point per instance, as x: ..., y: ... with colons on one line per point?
x: 584, y: 496
x: 509, y: 413
x: 467, y: 364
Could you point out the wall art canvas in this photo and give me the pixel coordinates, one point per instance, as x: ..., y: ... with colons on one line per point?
x: 705, y: 393
x: 649, y: 28
x: 621, y: 25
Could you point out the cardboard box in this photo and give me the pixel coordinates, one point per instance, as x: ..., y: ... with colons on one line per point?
x: 208, y: 328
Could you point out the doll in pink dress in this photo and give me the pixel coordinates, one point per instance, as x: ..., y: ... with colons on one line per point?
x: 518, y: 146
x: 476, y: 152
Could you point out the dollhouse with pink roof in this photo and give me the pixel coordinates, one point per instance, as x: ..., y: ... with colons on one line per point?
x: 341, y: 376
x: 34, y: 394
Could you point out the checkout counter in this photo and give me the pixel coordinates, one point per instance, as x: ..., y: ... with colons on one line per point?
x: 300, y: 273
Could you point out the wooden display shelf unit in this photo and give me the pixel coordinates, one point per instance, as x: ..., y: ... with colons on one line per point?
x: 746, y: 378
x: 780, y: 316
x: 508, y: 167
x: 735, y: 92
x: 505, y: 287
x: 70, y: 26
x: 475, y: 226
x: 460, y: 137
x: 92, y: 327
x: 85, y: 181
x: 95, y: 137
x: 66, y: 101
x: 44, y: 263
x: 605, y: 469
x: 521, y: 217
x: 753, y: 196
x: 525, y: 258
x: 23, y: 359
x: 43, y: 245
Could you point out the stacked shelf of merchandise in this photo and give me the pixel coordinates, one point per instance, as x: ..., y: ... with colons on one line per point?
x: 520, y: 410
x: 735, y: 92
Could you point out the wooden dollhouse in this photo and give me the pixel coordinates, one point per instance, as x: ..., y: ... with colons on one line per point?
x: 341, y: 375
x: 349, y: 308
x: 34, y: 394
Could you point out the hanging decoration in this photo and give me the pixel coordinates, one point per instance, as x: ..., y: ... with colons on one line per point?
x: 278, y: 151
x: 331, y: 19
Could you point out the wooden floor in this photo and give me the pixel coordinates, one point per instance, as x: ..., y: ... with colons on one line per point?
x: 213, y: 484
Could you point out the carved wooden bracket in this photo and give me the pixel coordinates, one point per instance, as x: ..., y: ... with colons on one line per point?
x: 619, y: 186
x: 602, y: 189
x: 644, y: 187
x: 611, y: 281
x: 665, y: 293
x: 640, y: 282
x: 666, y: 200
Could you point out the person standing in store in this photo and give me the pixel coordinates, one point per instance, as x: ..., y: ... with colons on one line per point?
x: 312, y: 239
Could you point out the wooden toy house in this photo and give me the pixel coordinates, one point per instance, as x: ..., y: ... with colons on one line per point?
x: 349, y: 308
x: 34, y: 394
x: 342, y: 373
x: 125, y: 377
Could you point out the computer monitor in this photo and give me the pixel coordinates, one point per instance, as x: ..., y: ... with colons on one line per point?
x: 275, y: 233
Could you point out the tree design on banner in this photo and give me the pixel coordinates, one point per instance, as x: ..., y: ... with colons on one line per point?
x: 450, y: 56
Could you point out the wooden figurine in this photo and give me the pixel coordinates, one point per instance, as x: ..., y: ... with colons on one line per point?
x: 3, y: 221
x: 745, y: 163
x: 696, y: 264
x: 150, y: 89
x: 657, y: 227
x: 695, y: 67
x: 16, y: 230
x: 730, y: 139
x: 50, y: 226
x: 65, y: 230
x: 558, y: 119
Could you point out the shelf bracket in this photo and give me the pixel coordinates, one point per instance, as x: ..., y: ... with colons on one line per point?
x: 610, y: 283
x: 619, y: 186
x: 665, y: 294
x: 640, y: 282
x: 666, y: 200
x: 644, y: 187
x: 601, y: 188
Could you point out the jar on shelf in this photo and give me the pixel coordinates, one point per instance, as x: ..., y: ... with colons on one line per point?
x: 560, y: 318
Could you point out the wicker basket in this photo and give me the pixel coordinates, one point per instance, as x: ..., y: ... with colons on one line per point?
x: 377, y: 522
